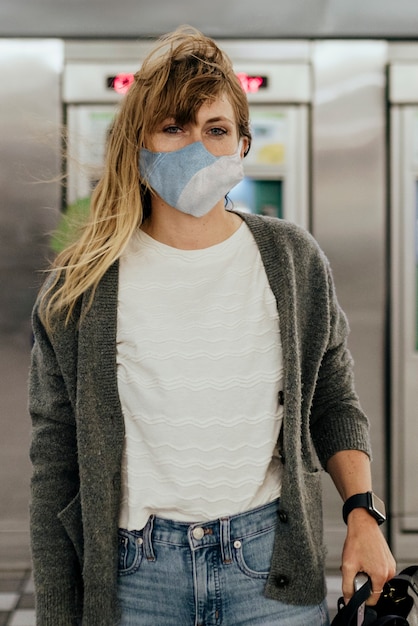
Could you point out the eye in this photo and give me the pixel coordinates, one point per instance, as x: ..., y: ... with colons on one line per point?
x: 217, y: 131
x: 172, y: 129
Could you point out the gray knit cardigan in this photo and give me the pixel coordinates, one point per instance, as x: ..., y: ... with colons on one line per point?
x: 78, y: 435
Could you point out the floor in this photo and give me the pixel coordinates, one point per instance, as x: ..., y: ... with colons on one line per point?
x: 17, y: 607
x: 17, y: 604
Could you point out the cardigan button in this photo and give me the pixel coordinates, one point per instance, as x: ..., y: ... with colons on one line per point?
x: 283, y: 517
x: 281, y: 581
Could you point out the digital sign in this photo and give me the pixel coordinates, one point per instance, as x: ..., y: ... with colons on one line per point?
x: 250, y: 84
x: 120, y: 83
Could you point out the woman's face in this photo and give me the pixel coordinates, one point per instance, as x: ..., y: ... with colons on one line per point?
x: 215, y: 127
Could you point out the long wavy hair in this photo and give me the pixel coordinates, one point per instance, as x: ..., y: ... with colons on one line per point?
x: 184, y: 70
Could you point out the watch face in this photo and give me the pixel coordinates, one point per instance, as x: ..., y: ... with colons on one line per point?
x: 378, y: 506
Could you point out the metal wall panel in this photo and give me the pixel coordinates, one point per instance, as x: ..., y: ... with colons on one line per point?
x: 30, y: 116
x: 403, y: 96
x: 287, y: 82
x: 403, y: 82
x: 349, y: 221
x: 30, y: 146
x: 235, y: 18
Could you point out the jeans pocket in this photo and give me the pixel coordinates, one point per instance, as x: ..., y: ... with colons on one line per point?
x: 130, y: 553
x: 253, y: 553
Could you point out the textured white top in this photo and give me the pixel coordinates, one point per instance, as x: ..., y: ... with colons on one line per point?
x: 199, y: 370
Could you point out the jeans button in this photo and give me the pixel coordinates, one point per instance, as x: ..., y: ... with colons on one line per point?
x: 198, y: 532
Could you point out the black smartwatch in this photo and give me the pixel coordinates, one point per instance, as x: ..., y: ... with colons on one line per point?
x: 369, y: 501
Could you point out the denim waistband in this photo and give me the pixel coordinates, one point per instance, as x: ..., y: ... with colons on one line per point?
x: 199, y: 535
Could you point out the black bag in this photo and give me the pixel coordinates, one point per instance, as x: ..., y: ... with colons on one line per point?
x: 397, y: 605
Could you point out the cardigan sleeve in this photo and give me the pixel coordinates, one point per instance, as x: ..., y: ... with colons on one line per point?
x: 54, y: 487
x: 314, y: 334
x: 337, y: 419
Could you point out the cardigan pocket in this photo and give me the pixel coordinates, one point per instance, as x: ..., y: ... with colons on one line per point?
x: 71, y: 519
x: 313, y: 510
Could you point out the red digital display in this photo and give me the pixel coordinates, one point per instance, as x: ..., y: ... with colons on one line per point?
x: 251, y: 84
x: 120, y: 83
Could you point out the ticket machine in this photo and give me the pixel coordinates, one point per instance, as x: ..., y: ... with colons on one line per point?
x: 277, y: 80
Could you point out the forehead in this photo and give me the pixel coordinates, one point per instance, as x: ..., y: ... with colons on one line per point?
x: 211, y: 108
x: 218, y: 107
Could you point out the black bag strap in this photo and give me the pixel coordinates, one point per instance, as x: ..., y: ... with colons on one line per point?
x: 347, y: 613
x: 400, y: 594
x: 391, y: 620
x: 379, y: 615
x: 410, y: 575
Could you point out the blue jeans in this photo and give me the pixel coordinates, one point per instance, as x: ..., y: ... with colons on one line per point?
x: 209, y: 574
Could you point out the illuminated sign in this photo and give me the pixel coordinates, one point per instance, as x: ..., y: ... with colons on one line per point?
x: 250, y: 84
x: 120, y: 83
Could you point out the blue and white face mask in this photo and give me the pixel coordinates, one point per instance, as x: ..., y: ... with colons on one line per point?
x: 191, y: 180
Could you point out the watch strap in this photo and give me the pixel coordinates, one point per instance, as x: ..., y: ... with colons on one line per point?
x: 366, y: 501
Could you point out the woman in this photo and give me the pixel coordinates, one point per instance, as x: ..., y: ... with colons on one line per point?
x: 190, y: 377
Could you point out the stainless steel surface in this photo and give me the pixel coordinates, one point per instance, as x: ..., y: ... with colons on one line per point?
x: 287, y: 82
x: 285, y: 63
x: 297, y: 51
x: 350, y: 224
x: 29, y: 145
x: 403, y: 82
x: 29, y: 131
x: 236, y: 18
x: 403, y: 97
x: 404, y: 301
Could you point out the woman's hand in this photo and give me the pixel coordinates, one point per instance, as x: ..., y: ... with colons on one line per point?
x: 365, y: 550
x: 365, y: 547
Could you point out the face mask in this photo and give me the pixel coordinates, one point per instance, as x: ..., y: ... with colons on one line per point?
x: 191, y: 179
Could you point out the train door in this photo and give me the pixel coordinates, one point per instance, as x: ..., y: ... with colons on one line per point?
x: 403, y: 96
x: 276, y: 169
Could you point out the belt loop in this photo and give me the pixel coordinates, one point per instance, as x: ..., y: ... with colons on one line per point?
x: 225, y: 540
x: 147, y: 537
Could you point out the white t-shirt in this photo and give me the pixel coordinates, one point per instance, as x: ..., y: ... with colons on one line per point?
x: 199, y: 373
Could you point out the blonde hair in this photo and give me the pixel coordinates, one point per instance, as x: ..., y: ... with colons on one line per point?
x: 184, y: 70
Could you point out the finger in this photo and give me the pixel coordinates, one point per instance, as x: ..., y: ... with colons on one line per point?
x: 348, y: 578
x: 374, y: 597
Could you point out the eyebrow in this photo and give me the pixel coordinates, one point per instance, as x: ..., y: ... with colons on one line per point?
x: 172, y: 119
x: 220, y: 118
